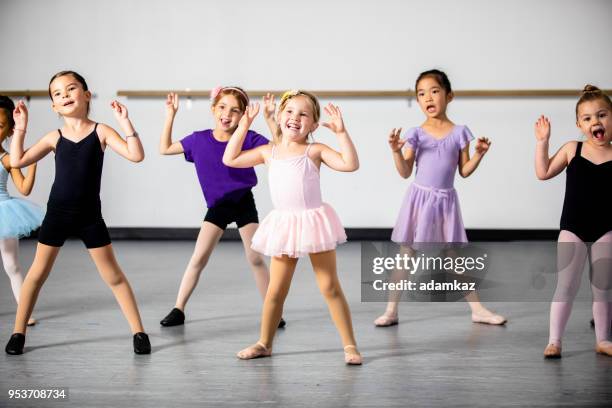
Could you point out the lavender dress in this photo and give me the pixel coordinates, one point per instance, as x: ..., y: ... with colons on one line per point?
x: 430, y: 211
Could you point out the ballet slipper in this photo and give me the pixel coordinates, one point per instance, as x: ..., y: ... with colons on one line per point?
x: 491, y: 318
x: 31, y: 322
x: 604, y: 347
x: 257, y: 350
x: 385, y: 321
x: 552, y: 351
x: 15, y: 344
x: 142, y: 345
x: 352, y: 358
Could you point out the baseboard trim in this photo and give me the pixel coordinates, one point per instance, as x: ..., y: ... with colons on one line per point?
x: 354, y: 234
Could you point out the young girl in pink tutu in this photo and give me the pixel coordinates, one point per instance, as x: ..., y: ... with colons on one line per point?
x: 301, y: 223
x: 430, y: 212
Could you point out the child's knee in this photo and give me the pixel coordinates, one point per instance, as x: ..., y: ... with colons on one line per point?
x: 114, y: 279
x: 254, y: 259
x: 330, y: 290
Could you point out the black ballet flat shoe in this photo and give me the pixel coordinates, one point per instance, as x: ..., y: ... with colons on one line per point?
x: 175, y: 318
x: 15, y: 344
x: 141, y: 343
x: 282, y: 323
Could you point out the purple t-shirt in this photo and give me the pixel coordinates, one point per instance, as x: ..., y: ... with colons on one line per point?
x: 218, y: 181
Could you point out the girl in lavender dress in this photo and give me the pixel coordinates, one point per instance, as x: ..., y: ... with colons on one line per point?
x: 430, y: 211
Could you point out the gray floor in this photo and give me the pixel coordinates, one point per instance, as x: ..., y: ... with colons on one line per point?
x: 435, y: 357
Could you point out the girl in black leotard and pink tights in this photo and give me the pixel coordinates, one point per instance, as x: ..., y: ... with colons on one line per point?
x: 586, y: 221
x: 74, y: 202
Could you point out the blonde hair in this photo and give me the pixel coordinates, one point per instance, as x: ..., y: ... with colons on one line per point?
x: 316, y: 108
x: 592, y: 93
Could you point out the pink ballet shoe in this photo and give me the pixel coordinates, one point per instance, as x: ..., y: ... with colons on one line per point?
x: 490, y: 318
x: 257, y: 350
x: 386, y: 321
x: 352, y: 358
x: 604, y: 347
x: 552, y: 351
x: 31, y: 322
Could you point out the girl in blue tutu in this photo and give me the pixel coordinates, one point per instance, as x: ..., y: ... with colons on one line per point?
x: 17, y: 217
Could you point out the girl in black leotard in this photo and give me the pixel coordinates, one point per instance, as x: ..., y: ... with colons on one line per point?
x: 74, y: 203
x: 586, y: 217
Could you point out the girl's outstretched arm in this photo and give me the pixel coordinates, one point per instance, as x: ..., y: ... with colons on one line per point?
x: 166, y: 146
x: 131, y: 148
x: 346, y: 159
x: 404, y: 163
x: 548, y: 167
x: 23, y: 183
x: 468, y: 165
x: 19, y: 157
x: 234, y: 156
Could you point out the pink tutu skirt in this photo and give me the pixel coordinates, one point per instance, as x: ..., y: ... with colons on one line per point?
x: 297, y: 233
x: 429, y: 215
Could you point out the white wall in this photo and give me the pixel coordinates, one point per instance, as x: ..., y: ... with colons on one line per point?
x: 481, y: 44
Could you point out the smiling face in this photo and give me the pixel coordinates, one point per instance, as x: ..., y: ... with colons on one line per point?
x: 227, y: 113
x: 297, y: 119
x: 595, y: 121
x: 68, y: 96
x: 432, y: 97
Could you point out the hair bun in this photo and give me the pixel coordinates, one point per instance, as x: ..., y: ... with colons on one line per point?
x: 590, y: 89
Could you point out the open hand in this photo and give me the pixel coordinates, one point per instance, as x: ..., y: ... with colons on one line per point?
x: 395, y: 143
x: 542, y: 129
x: 172, y: 103
x: 249, y: 114
x: 20, y: 116
x: 269, y: 106
x: 119, y: 110
x: 482, y: 145
x: 335, y: 124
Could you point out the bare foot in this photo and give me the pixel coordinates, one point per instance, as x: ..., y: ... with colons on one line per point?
x: 257, y: 350
x: 31, y: 322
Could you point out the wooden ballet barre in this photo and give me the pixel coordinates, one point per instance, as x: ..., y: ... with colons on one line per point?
x: 28, y: 93
x: 492, y: 93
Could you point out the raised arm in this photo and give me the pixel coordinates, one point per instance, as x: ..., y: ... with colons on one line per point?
x: 131, y: 147
x: 547, y: 167
x: 24, y: 184
x: 19, y: 157
x: 269, y: 111
x: 346, y: 159
x: 234, y: 156
x: 404, y: 163
x: 468, y: 165
x: 166, y: 146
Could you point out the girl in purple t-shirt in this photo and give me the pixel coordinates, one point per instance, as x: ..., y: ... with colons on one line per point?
x: 227, y: 190
x: 430, y: 211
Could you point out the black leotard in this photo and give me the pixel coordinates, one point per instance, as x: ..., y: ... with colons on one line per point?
x: 78, y: 171
x: 74, y: 203
x: 586, y: 209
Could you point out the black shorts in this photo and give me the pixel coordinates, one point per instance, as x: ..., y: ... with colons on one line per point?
x: 242, y: 212
x: 59, y: 224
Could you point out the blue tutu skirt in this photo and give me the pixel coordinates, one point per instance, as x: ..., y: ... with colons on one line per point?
x: 18, y: 218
